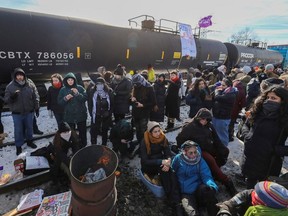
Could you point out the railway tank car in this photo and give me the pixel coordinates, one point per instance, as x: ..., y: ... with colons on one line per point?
x: 251, y: 56
x: 44, y: 44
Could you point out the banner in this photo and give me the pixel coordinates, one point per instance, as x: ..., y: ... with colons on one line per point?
x: 187, y: 40
x: 205, y: 22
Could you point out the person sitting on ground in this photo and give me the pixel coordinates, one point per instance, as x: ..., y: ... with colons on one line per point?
x: 64, y: 139
x: 196, y: 182
x: 267, y: 198
x: 120, y: 136
x: 202, y: 131
x: 155, y: 157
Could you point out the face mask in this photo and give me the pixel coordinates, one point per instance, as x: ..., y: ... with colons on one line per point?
x: 99, y: 86
x: 66, y: 135
x: 270, y: 106
x: 57, y: 85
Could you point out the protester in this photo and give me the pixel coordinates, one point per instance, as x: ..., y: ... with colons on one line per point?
x: 64, y: 139
x: 122, y: 87
x: 156, y: 160
x: 73, y: 97
x: 158, y: 111
x: 100, y: 106
x: 22, y: 97
x: 172, y: 109
x: 265, y: 133
x: 52, y: 103
x: 215, y: 153
x: 196, y: 183
x: 265, y: 199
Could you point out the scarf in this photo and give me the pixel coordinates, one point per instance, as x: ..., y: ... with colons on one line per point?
x: 21, y: 82
x: 191, y: 161
x: 148, y: 139
x: 102, y: 94
x: 270, y: 107
x: 57, y: 85
x: 175, y: 79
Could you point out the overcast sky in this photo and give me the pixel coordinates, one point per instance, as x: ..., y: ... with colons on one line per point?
x: 267, y: 18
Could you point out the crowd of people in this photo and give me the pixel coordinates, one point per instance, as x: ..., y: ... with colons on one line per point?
x: 189, y: 169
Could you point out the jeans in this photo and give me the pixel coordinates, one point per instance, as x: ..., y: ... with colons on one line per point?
x: 81, y: 127
x: 222, y: 127
x: 23, y: 123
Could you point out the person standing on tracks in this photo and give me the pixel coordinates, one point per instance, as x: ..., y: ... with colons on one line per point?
x: 151, y: 74
x: 224, y: 98
x: 158, y: 112
x: 122, y: 88
x: 22, y: 97
x: 172, y: 110
x: 52, y: 103
x: 100, y: 106
x: 143, y: 99
x: 198, y: 97
x: 265, y: 132
x: 73, y: 97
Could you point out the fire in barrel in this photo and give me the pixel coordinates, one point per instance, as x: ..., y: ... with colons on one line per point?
x: 93, y: 181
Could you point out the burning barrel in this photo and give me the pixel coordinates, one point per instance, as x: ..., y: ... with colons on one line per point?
x: 95, y: 198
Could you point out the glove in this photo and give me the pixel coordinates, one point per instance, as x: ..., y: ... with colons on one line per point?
x: 37, y: 113
x: 50, y: 113
x: 15, y: 95
x: 210, y: 183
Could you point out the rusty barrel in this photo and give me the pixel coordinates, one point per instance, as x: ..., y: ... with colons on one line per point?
x: 98, y: 198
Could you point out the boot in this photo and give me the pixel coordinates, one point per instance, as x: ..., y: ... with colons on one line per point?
x: 231, y: 187
x: 31, y: 144
x: 37, y: 131
x: 18, y: 150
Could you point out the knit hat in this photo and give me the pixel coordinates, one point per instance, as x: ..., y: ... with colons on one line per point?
x: 64, y: 127
x: 100, y: 80
x: 151, y: 125
x: 269, y: 67
x: 246, y: 69
x: 273, y: 195
x: 188, y: 143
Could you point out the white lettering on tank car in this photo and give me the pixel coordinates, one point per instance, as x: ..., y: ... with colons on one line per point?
x: 14, y: 55
x: 55, y: 55
x: 247, y: 55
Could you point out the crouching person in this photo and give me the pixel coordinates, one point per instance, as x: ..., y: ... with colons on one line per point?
x: 64, y: 139
x: 197, y: 186
x: 267, y: 198
x: 156, y: 160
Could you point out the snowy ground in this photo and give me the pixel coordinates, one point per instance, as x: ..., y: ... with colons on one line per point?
x: 10, y: 200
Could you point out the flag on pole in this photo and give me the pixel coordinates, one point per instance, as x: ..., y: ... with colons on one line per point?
x: 205, y: 22
x: 187, y: 40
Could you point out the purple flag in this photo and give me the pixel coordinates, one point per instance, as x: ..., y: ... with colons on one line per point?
x: 205, y: 22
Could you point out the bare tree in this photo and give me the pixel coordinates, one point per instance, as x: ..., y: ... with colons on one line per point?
x: 244, y: 36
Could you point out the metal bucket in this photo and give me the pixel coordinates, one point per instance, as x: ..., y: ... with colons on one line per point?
x: 98, y: 198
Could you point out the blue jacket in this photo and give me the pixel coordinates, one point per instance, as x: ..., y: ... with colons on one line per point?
x: 191, y: 176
